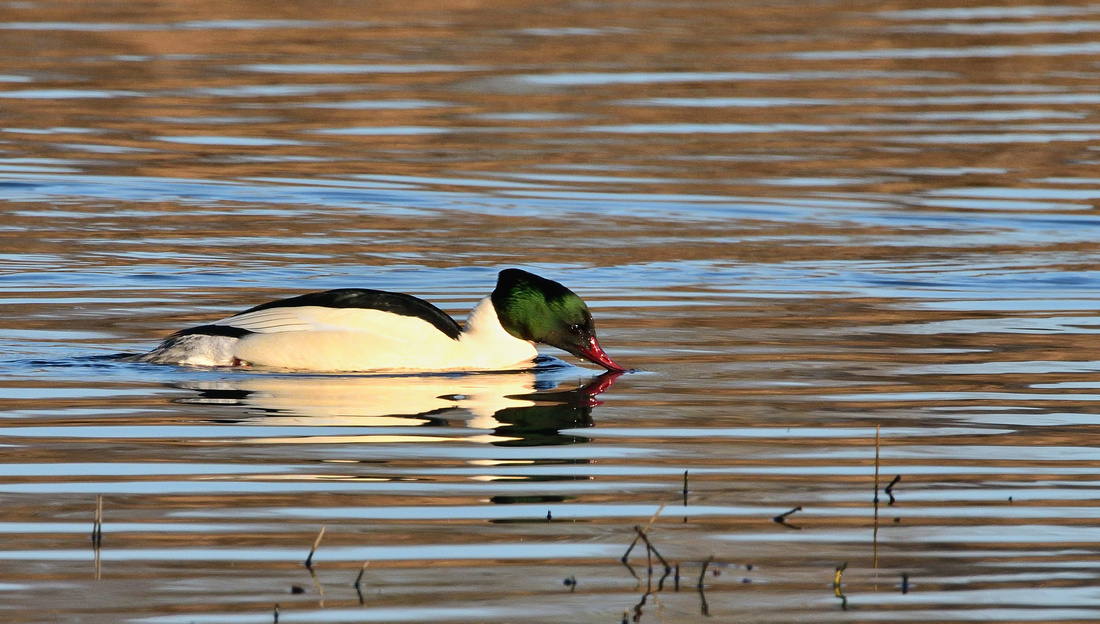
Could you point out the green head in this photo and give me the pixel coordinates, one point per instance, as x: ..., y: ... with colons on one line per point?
x: 540, y: 310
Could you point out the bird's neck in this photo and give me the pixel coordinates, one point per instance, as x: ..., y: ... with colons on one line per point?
x: 486, y: 344
x: 484, y: 324
x: 483, y: 329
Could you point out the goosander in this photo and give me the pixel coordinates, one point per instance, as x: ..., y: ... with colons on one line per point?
x: 351, y: 329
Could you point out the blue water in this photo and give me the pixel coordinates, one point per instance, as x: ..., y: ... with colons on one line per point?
x: 842, y: 245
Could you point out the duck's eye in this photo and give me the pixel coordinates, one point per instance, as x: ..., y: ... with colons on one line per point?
x: 575, y: 327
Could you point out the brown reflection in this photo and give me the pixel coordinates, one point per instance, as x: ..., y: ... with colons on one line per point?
x: 760, y: 325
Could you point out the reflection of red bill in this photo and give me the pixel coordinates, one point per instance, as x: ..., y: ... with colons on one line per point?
x: 600, y: 384
x: 595, y: 354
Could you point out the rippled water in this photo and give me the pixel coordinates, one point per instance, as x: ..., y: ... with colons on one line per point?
x: 848, y: 244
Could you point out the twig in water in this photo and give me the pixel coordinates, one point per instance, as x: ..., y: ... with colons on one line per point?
x: 877, y: 428
x: 357, y: 583
x: 654, y: 518
x: 359, y: 578
x: 836, y: 586
x: 782, y: 518
x: 571, y: 583
x: 893, y: 482
x: 97, y: 536
x: 276, y: 614
x: 316, y: 543
x: 649, y: 564
x: 685, y: 493
x: 676, y: 578
x: 317, y: 584
x: 890, y: 489
x: 626, y: 555
x: 703, y: 572
x: 661, y: 581
x: 630, y: 568
x: 904, y: 583
x: 874, y: 533
x: 638, y: 607
x: 649, y: 545
x: 97, y: 523
x: 630, y: 548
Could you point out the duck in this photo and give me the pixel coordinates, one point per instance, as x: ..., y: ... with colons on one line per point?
x: 364, y: 330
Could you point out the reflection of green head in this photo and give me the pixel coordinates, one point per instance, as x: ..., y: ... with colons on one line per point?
x: 540, y: 310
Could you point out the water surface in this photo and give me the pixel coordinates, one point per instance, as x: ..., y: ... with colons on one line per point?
x: 848, y: 245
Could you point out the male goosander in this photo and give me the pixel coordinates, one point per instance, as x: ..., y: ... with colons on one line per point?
x: 353, y: 329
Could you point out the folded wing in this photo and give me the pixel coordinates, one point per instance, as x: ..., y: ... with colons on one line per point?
x: 345, y: 309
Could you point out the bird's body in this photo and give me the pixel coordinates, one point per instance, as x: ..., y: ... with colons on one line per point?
x: 371, y: 330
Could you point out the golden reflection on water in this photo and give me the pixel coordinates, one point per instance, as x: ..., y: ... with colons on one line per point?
x: 805, y: 223
x: 373, y: 401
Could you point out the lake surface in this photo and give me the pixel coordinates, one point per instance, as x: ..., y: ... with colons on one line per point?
x: 847, y: 245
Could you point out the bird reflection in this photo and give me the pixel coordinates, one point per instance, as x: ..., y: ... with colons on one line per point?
x: 521, y: 408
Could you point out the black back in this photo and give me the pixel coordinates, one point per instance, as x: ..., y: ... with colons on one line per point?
x: 213, y: 330
x: 394, y: 303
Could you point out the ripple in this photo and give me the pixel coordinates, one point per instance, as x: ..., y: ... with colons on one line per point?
x: 641, y: 78
x: 228, y: 140
x: 332, y: 68
x: 998, y: 51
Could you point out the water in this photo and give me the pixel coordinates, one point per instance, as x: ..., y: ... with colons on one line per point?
x: 847, y: 244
